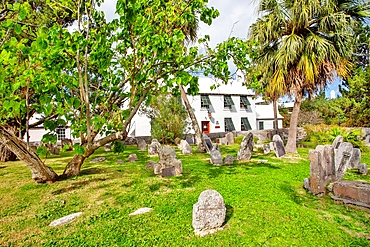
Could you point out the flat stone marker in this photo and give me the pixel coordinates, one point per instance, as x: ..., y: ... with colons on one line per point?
x: 97, y: 160
x: 65, y: 219
x: 209, y: 213
x: 141, y: 211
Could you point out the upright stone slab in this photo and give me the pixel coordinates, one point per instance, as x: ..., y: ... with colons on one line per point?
x: 185, y: 147
x: 246, y: 147
x: 327, y: 161
x: 355, y: 158
x: 209, y: 213
x: 229, y: 160
x: 229, y: 138
x: 216, y: 156
x: 154, y: 147
x: 266, y: 148
x: 167, y: 159
x: 141, y: 144
x: 207, y: 143
x: 222, y: 141
x: 317, y: 185
x: 337, y: 141
x: 342, y: 159
x: 278, y: 146
x: 189, y: 140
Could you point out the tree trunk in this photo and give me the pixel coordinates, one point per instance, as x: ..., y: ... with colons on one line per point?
x: 291, y: 146
x: 6, y: 154
x: 73, y: 167
x: 194, y: 122
x: 276, y: 127
x: 40, y: 172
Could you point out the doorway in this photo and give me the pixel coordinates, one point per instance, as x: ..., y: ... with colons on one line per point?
x: 205, y: 127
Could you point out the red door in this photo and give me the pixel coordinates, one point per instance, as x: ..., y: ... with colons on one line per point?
x: 205, y: 127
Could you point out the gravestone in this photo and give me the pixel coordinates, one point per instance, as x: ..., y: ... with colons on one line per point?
x: 337, y: 141
x: 342, y: 159
x: 352, y: 192
x: 216, y: 157
x: 222, y: 141
x: 362, y: 168
x: 278, y: 146
x: 154, y: 147
x: 185, y: 147
x: 98, y: 159
x: 169, y: 172
x: 266, y: 148
x: 355, y: 158
x: 246, y: 147
x: 107, y: 147
x: 141, y: 211
x: 132, y: 158
x: 209, y: 213
x: 229, y: 138
x: 150, y: 165
x: 189, y: 140
x: 229, y: 160
x: 207, y: 143
x: 167, y: 159
x: 141, y: 144
x: 65, y: 219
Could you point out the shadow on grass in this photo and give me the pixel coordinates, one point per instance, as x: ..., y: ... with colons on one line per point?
x: 229, y: 213
x: 3, y: 167
x: 292, y: 192
x: 76, y: 185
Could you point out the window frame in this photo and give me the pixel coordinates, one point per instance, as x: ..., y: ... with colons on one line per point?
x: 242, y: 124
x: 227, y: 124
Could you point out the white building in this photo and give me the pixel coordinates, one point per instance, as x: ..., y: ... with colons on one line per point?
x: 226, y: 108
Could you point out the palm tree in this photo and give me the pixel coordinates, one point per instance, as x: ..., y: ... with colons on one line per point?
x: 303, y: 45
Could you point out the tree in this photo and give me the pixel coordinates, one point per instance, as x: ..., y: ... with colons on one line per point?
x: 303, y: 46
x: 168, y: 118
x: 104, y: 70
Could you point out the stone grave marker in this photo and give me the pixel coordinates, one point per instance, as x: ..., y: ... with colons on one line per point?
x: 141, y: 144
x: 279, y: 146
x: 229, y: 138
x: 246, y: 147
x: 154, y: 147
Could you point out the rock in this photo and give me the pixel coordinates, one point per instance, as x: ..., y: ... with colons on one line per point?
x: 154, y: 147
x: 229, y: 160
x: 167, y: 159
x: 306, y: 183
x: 342, y: 159
x: 363, y: 169
x: 216, y: 156
x: 97, y: 160
x: 189, y: 140
x: 278, y: 145
x: 150, y: 165
x: 157, y: 169
x: 185, y: 147
x: 132, y: 158
x: 107, y: 147
x: 229, y: 138
x: 353, y: 192
x: 207, y: 143
x: 141, y: 211
x: 246, y: 147
x: 222, y: 141
x: 337, y: 141
x: 266, y: 148
x: 327, y: 161
x: 141, y: 144
x: 65, y: 219
x: 355, y: 158
x: 209, y: 213
x: 169, y: 172
x: 119, y: 161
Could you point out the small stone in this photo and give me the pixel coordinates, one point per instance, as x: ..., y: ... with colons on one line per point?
x: 216, y: 157
x: 154, y: 147
x: 65, y: 219
x: 306, y: 183
x: 141, y: 211
x: 363, y: 169
x: 107, y: 147
x: 169, y: 172
x: 141, y: 144
x: 229, y: 160
x: 150, y: 165
x: 132, y: 158
x: 266, y: 148
x: 119, y: 161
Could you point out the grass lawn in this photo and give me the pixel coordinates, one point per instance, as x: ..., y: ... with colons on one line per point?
x: 266, y: 204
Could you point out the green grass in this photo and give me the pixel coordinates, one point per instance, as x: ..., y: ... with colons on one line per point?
x: 266, y: 204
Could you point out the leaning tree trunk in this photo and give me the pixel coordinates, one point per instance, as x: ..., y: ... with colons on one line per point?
x: 6, y: 154
x: 40, y: 172
x: 291, y: 146
x: 194, y: 122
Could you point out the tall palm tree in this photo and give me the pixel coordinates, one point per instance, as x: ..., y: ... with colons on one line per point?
x: 304, y: 44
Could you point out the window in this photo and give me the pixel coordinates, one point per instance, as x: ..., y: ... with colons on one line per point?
x: 245, y: 124
x: 228, y: 102
x: 61, y: 133
x: 244, y: 103
x: 205, y: 102
x: 229, y: 125
x: 261, y: 125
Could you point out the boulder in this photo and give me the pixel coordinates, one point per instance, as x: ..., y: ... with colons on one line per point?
x: 154, y: 147
x: 119, y: 161
x: 141, y: 144
x: 209, y: 213
x: 246, y: 147
x: 278, y: 146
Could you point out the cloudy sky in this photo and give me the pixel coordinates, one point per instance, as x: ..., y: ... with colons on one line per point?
x: 235, y: 17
